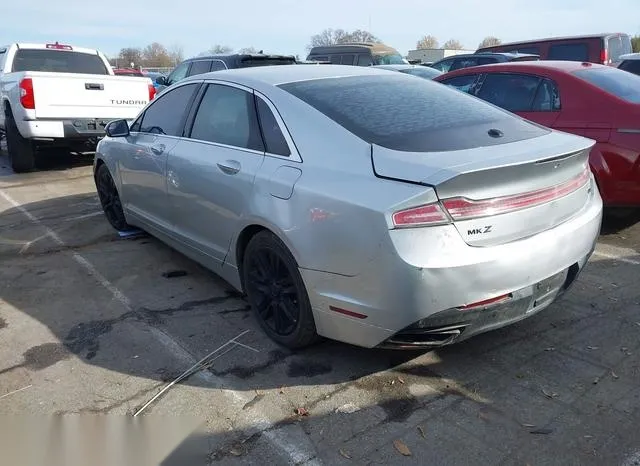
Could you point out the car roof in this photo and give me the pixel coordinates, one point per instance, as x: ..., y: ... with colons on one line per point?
x: 239, y: 55
x: 281, y: 74
x: 396, y: 67
x: 630, y: 56
x: 531, y: 66
x: 558, y: 38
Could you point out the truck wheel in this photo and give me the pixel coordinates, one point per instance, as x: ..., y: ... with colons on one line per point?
x: 22, y: 151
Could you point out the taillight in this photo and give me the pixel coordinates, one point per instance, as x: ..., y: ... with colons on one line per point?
x: 486, y: 302
x: 461, y: 208
x: 27, y: 97
x: 430, y: 214
x: 604, y: 56
x: 152, y: 92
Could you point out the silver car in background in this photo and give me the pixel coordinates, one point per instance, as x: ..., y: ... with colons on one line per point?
x: 358, y: 204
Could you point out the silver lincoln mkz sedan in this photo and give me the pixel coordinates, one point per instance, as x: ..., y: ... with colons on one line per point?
x: 358, y: 204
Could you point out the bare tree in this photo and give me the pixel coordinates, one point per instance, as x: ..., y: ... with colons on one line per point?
x: 176, y: 53
x: 427, y: 42
x: 248, y: 50
x: 156, y: 54
x: 129, y: 55
x: 452, y: 44
x: 489, y: 41
x: 340, y: 36
x: 219, y: 49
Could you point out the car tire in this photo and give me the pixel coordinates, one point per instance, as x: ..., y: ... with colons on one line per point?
x: 22, y: 152
x: 110, y: 199
x: 276, y: 292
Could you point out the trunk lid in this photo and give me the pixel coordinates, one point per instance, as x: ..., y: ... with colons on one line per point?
x: 69, y: 96
x: 502, y: 193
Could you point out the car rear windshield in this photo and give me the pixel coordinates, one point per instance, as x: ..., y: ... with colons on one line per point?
x: 402, y: 113
x: 388, y: 59
x: 248, y: 62
x: 58, y: 61
x: 618, y: 45
x: 620, y: 83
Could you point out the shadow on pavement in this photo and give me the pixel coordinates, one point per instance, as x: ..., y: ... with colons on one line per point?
x: 49, y: 160
x: 541, y: 388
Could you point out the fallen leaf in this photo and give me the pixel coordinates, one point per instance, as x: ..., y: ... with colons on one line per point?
x: 302, y: 412
x: 259, y: 392
x: 596, y: 380
x: 401, y: 380
x: 592, y: 348
x: 393, y: 382
x: 614, y: 375
x: 281, y: 390
x: 528, y: 425
x: 402, y: 447
x: 345, y: 454
x: 550, y: 348
x: 549, y: 395
x: 421, y: 430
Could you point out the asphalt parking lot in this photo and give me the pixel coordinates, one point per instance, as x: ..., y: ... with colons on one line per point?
x: 94, y: 323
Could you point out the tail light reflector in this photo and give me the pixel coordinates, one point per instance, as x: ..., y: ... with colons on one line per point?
x: 486, y: 302
x: 27, y: 97
x: 430, y: 214
x: 152, y: 92
x: 604, y: 56
x: 461, y: 208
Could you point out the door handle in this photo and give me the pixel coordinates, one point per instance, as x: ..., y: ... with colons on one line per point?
x: 230, y: 167
x: 157, y: 149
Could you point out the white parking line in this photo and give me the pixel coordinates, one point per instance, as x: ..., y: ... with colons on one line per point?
x: 297, y: 452
x: 625, y: 255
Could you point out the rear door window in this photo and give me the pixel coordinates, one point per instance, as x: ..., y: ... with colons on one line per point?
x: 274, y: 140
x: 513, y: 92
x: 200, y: 67
x: 336, y: 59
x: 403, y: 113
x: 348, y: 59
x: 613, y: 81
x: 466, y: 62
x: 462, y: 83
x: 58, y: 61
x: 572, y: 52
x: 547, y: 97
x: 218, y: 65
x: 443, y: 65
x: 365, y: 60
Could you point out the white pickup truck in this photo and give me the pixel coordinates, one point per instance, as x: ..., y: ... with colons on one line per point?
x: 59, y: 95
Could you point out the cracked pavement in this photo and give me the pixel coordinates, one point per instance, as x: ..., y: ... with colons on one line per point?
x: 557, y: 388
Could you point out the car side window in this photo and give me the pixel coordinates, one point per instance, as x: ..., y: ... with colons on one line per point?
x: 365, y: 60
x: 227, y: 115
x: 200, y: 67
x: 335, y: 59
x: 348, y: 59
x: 547, y: 97
x: 462, y: 83
x: 274, y: 140
x: 178, y: 74
x: 166, y: 114
x: 569, y: 52
x: 218, y: 65
x: 460, y: 63
x: 443, y: 65
x: 632, y: 66
x: 513, y: 92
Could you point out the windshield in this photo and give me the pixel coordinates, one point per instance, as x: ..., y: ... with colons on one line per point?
x: 407, y: 114
x: 422, y: 71
x: 58, y: 61
x: 248, y: 62
x: 388, y: 59
x: 617, y: 82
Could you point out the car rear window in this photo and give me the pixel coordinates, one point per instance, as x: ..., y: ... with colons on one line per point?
x: 58, y: 61
x: 618, y: 45
x: 570, y: 52
x: 407, y: 114
x: 614, y: 81
x: 247, y: 62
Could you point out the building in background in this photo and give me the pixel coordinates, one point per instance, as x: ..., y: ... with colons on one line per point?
x: 432, y: 55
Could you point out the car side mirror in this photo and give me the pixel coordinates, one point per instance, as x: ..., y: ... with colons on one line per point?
x: 161, y: 80
x: 117, y: 129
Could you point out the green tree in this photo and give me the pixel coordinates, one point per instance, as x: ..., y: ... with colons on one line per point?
x: 635, y: 43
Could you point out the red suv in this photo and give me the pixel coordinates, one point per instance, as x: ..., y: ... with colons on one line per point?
x: 596, y: 101
x: 604, y: 49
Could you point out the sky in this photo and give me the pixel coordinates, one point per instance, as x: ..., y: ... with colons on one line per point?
x: 285, y: 26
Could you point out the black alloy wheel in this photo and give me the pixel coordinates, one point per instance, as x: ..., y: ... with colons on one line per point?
x: 276, y: 292
x: 110, y: 200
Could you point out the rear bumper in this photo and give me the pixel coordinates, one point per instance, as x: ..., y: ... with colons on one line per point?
x: 424, y: 274
x: 77, y: 128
